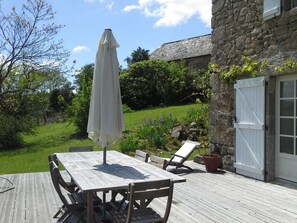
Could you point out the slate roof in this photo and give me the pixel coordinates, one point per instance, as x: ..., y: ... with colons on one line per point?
x: 182, y: 49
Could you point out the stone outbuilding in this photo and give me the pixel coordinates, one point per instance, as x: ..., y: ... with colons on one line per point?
x: 196, y: 51
x: 253, y: 123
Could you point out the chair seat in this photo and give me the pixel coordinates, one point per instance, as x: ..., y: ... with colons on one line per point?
x: 72, y: 218
x: 145, y: 215
x: 81, y: 198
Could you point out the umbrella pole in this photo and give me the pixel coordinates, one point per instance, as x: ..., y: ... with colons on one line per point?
x: 104, y: 155
x: 104, y: 192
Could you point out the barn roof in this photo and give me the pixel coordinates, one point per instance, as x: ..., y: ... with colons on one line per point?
x: 182, y: 49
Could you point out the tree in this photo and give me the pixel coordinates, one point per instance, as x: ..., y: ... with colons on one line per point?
x: 61, y: 98
x: 137, y: 56
x: 79, y: 110
x: 155, y: 82
x: 27, y: 43
x: 31, y: 64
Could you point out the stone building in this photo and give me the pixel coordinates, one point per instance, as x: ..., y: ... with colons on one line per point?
x: 262, y: 30
x: 194, y: 51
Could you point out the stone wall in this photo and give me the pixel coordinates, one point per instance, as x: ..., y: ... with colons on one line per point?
x: 239, y: 29
x: 200, y: 62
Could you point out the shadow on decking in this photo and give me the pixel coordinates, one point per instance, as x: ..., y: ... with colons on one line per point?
x: 220, y: 197
x: 183, y: 171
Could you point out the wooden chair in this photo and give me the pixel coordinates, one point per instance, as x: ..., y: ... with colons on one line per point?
x: 158, y: 162
x: 140, y: 155
x: 182, y: 155
x: 69, y: 186
x: 117, y: 204
x: 73, y: 203
x: 143, y: 193
x: 80, y: 148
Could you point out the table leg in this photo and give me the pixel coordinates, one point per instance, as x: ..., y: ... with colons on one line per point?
x: 90, y: 207
x: 104, y: 205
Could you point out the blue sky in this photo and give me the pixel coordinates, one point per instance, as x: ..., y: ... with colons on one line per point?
x: 144, y: 23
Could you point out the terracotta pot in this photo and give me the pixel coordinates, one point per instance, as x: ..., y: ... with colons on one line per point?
x: 212, y: 162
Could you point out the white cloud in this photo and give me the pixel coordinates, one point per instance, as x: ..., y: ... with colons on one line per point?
x: 92, y: 1
x: 110, y: 5
x: 174, y: 12
x: 80, y: 48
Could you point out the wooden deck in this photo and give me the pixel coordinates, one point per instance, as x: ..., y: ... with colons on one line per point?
x: 205, y: 197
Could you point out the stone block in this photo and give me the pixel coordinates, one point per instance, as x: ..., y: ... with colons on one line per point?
x: 198, y: 159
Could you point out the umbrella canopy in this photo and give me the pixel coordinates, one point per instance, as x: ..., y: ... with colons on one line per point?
x: 105, y: 123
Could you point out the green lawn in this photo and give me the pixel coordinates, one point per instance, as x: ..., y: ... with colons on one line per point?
x: 58, y: 137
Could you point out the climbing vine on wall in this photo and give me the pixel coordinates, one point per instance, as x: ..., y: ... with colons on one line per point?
x: 250, y: 68
x: 288, y: 66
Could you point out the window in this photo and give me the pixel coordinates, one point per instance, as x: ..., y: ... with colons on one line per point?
x: 289, y: 4
x: 272, y: 8
x: 288, y: 117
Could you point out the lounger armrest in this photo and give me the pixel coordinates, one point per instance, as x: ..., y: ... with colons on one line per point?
x: 173, y: 155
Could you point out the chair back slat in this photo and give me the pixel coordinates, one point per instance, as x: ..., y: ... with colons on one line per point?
x: 158, y: 162
x: 80, y: 148
x: 156, y: 184
x: 141, y: 155
x: 149, y: 194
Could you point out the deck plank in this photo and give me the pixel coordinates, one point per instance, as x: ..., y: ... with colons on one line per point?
x: 204, y: 197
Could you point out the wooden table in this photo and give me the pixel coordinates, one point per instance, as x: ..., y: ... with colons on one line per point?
x: 91, y: 175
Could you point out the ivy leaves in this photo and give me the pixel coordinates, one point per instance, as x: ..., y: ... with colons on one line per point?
x: 250, y: 68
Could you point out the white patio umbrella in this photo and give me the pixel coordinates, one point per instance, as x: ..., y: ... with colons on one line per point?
x: 105, y: 123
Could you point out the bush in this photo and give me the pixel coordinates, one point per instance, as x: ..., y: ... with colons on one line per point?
x: 155, y: 131
x: 79, y: 109
x: 127, y: 109
x: 138, y: 84
x: 153, y: 83
x: 11, y: 129
x: 198, y: 115
x: 201, y: 117
x: 60, y: 98
x: 128, y: 144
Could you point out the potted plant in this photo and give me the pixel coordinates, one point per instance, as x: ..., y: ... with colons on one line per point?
x: 212, y: 162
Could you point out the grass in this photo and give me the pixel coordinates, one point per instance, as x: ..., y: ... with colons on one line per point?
x: 132, y: 120
x: 58, y: 137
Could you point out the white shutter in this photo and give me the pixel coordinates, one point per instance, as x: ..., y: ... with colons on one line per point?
x: 271, y: 9
x: 250, y: 127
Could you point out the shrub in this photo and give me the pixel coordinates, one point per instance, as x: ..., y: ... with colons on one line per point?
x: 139, y: 84
x: 11, y: 129
x: 79, y: 109
x: 152, y: 83
x: 155, y: 131
x: 128, y: 144
x: 202, y: 82
x: 127, y: 109
x: 198, y: 115
x: 201, y: 117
